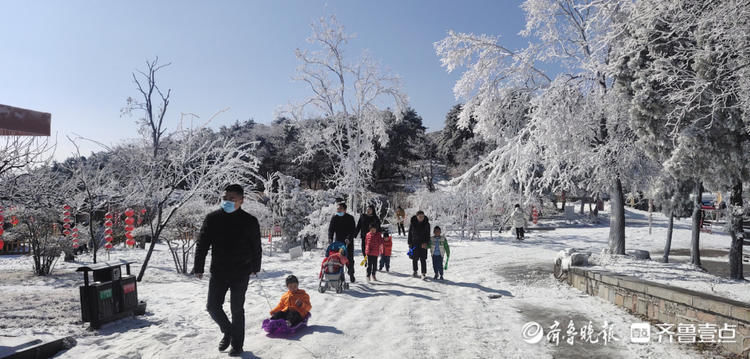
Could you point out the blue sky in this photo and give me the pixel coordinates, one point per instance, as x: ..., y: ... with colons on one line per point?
x: 74, y: 58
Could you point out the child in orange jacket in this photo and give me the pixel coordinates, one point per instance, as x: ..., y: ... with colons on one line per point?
x: 294, y: 304
x: 372, y: 249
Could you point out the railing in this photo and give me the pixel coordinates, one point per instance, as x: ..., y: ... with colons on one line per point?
x: 15, y: 247
x: 273, y: 232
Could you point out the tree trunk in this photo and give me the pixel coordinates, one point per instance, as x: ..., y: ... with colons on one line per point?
x: 617, y: 218
x: 148, y: 255
x: 736, y: 232
x: 562, y: 209
x: 583, y: 202
x: 695, y: 254
x: 668, y: 245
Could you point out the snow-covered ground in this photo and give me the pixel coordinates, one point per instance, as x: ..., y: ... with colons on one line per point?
x: 492, y: 289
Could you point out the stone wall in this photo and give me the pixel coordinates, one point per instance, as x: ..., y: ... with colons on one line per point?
x: 667, y: 304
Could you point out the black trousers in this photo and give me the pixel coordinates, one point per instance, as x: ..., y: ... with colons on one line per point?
x: 372, y: 265
x: 217, y: 290
x: 385, y: 261
x: 519, y: 233
x: 420, y: 255
x: 291, y: 315
x: 401, y: 228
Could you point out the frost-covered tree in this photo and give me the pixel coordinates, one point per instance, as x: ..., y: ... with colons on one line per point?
x: 165, y: 169
x: 683, y: 63
x: 94, y: 189
x: 573, y: 134
x: 181, y: 232
x: 348, y: 98
x: 38, y: 196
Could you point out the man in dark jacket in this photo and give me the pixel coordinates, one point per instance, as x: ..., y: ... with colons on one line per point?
x: 419, y: 237
x: 233, y: 236
x: 363, y: 225
x: 343, y: 228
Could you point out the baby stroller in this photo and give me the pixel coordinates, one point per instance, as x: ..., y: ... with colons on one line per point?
x: 332, y: 270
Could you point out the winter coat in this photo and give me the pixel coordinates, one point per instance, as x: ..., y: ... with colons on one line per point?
x: 363, y: 225
x: 374, y: 241
x: 289, y: 301
x: 400, y: 215
x: 419, y: 232
x: 387, y: 246
x: 445, y: 250
x: 234, y: 240
x: 342, y: 228
x: 518, y: 218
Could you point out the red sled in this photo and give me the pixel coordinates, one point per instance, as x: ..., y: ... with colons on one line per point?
x: 279, y: 328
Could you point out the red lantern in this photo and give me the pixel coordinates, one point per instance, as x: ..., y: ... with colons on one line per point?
x: 1, y: 244
x: 108, y: 246
x: 1, y: 230
x: 108, y: 238
x: 108, y: 215
x: 128, y: 235
x: 75, y: 229
x: 143, y: 211
x: 129, y: 212
x: 140, y: 220
x: 66, y: 219
x: 130, y: 221
x: 129, y: 228
x: 130, y: 242
x: 108, y: 231
x: 66, y: 207
x: 66, y: 232
x: 66, y: 225
x: 75, y: 240
x: 75, y: 245
x: 108, y: 224
x: 14, y: 220
x: 75, y: 235
x: 66, y: 214
x: 2, y: 219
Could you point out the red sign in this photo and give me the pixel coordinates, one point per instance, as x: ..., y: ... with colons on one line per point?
x: 128, y: 288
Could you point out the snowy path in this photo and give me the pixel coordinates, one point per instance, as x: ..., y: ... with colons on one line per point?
x: 397, y: 316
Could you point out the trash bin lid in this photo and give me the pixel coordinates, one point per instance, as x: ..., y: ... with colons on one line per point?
x: 104, y: 265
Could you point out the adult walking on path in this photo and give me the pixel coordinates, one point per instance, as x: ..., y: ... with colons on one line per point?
x: 363, y: 225
x: 519, y: 221
x: 419, y: 238
x: 400, y: 219
x: 343, y: 230
x: 233, y: 236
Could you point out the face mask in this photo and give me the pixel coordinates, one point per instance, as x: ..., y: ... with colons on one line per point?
x: 228, y: 206
x: 339, y: 214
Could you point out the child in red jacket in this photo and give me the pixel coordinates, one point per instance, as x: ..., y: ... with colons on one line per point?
x: 373, y: 241
x: 385, y: 256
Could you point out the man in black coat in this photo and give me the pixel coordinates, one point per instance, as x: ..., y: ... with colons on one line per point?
x: 419, y: 237
x: 233, y: 236
x: 363, y: 225
x: 343, y: 229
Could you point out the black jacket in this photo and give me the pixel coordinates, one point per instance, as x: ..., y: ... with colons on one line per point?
x: 342, y: 227
x: 234, y: 239
x: 363, y: 225
x: 419, y: 232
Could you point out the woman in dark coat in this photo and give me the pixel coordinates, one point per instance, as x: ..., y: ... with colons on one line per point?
x: 363, y: 225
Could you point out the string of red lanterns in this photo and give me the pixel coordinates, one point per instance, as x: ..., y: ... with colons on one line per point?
x: 67, y: 220
x: 129, y: 222
x: 2, y: 230
x: 108, y: 230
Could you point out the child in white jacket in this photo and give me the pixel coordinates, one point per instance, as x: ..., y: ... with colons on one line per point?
x: 519, y: 221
